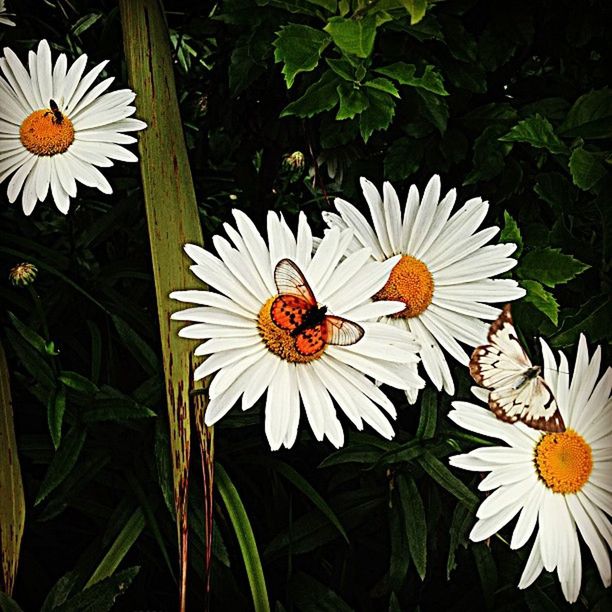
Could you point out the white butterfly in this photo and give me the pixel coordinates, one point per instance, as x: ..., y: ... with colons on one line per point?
x: 517, y: 391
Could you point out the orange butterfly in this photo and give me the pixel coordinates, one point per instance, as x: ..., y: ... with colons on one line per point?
x: 296, y: 311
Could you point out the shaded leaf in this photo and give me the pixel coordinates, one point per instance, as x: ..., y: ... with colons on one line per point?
x: 310, y: 595
x: 403, y: 158
x: 594, y: 319
x: 353, y: 36
x: 29, y: 335
x: 586, y: 168
x: 428, y: 416
x: 435, y: 109
x: 299, y: 47
x: 352, y: 101
x: 538, y: 132
x: 443, y: 476
x: 415, y: 524
x: 378, y: 115
x: 77, y: 382
x: 460, y: 525
x: 55, y: 414
x: 486, y: 570
x: 63, y: 461
x: 590, y: 116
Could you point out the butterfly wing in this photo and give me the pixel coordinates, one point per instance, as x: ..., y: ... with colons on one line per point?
x: 516, y: 392
x: 342, y: 332
x: 311, y: 340
x: 289, y: 280
x: 288, y: 311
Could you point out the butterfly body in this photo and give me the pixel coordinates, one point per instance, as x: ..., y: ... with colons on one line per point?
x: 297, y: 311
x: 517, y: 392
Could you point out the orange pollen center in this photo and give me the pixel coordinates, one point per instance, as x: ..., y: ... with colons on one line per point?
x: 280, y: 341
x: 563, y: 461
x: 410, y: 282
x: 43, y: 133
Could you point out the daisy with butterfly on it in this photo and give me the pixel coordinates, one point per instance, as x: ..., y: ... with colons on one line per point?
x: 56, y: 129
x: 555, y: 474
x: 297, y: 327
x: 443, y: 276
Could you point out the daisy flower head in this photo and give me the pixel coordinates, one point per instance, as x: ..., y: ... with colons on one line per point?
x: 56, y: 129
x: 4, y: 16
x: 443, y: 274
x: 262, y: 336
x: 558, y: 483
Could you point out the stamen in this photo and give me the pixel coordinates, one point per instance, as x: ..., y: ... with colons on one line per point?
x: 43, y: 134
x: 280, y: 341
x: 564, y: 461
x: 410, y: 282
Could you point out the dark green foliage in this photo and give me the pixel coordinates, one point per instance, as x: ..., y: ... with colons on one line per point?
x: 507, y: 101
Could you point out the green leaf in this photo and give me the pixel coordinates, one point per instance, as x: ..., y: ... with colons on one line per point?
x: 7, y: 604
x: 63, y: 461
x: 443, y: 476
x: 416, y: 8
x: 590, y: 116
x: 29, y: 335
x: 415, y: 524
x: 594, y: 320
x: 300, y: 48
x: 487, y: 572
x: 353, y: 36
x: 489, y: 157
x: 550, y: 267
x: 32, y: 360
x: 116, y: 409
x: 556, y: 190
x: 511, y: 233
x: 303, y: 485
x: 378, y: 115
x: 403, y: 158
x: 542, y: 299
x: 122, y: 544
x: 60, y: 591
x: 343, y: 68
x: 383, y: 85
x: 308, y: 595
x: 537, y: 600
x: 85, y: 22
x: 352, y: 101
x: 460, y: 524
x: 102, y: 596
x: 330, y: 5
x: 320, y: 96
x: 428, y: 416
x: 405, y: 74
x: 435, y: 109
x: 399, y: 559
x: 538, y: 132
x: 139, y: 349
x: 355, y: 453
x: 586, y: 168
x: 77, y: 382
x: 55, y: 414
x: 246, y: 539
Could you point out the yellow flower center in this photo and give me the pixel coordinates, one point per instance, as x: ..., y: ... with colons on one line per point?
x: 280, y: 341
x: 410, y: 282
x: 563, y: 461
x: 44, y: 132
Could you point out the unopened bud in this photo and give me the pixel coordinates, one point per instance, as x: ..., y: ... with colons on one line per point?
x: 23, y: 274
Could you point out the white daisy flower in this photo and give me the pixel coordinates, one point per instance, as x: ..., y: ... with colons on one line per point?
x: 556, y: 481
x: 4, y: 16
x: 251, y: 354
x: 443, y: 275
x: 55, y: 129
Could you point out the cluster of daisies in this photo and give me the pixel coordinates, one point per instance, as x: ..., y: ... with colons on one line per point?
x: 322, y: 323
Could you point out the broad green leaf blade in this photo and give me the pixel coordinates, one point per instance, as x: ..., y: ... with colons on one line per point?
x: 77, y: 382
x: 246, y: 539
x: 141, y: 351
x: 416, y: 8
x: 55, y: 415
x: 7, y: 604
x: 29, y: 335
x: 102, y: 596
x: 319, y: 97
x: 173, y: 220
x: 399, y: 559
x: 447, y: 480
x: 378, y: 115
x: 405, y: 74
x: 383, y: 85
x: 486, y: 570
x: 415, y: 524
x: 538, y: 132
x: 353, y: 36
x: 460, y: 524
x: 542, y: 299
x: 550, y: 267
x: 63, y: 461
x: 403, y: 158
x: 303, y: 485
x: 352, y: 101
x: 119, y: 548
x: 587, y: 168
x: 590, y: 116
x: 299, y: 47
x: 12, y: 502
